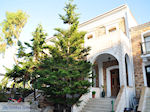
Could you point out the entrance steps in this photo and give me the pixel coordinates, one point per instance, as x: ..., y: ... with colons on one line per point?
x: 144, y: 103
x: 147, y: 104
x: 98, y: 105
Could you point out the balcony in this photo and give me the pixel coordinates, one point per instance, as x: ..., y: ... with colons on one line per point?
x: 145, y: 48
x: 112, y: 41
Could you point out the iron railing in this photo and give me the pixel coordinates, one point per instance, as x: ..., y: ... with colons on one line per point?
x: 145, y: 47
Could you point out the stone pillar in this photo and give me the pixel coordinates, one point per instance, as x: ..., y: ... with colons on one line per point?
x: 122, y: 72
x: 100, y: 68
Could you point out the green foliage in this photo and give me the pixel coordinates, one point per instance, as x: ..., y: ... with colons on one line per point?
x: 2, y: 47
x: 24, y: 91
x: 3, y: 97
x: 19, y: 74
x: 59, y: 79
x: 64, y: 75
x: 4, y: 82
x: 70, y: 17
x: 12, y: 26
x: 38, y: 43
x: 0, y: 87
x: 36, y: 48
x: 21, y: 50
x: 93, y: 92
x: 22, y: 72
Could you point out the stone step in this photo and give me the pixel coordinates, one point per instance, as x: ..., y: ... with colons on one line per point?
x: 101, y: 100
x: 96, y: 110
x: 148, y: 102
x: 98, y: 105
x: 147, y: 105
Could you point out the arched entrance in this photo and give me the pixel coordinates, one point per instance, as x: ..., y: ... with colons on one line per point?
x: 106, y: 71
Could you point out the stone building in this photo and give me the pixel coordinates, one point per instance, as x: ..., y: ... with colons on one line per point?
x: 140, y: 38
x: 120, y: 51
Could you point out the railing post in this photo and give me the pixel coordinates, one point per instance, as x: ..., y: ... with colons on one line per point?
x: 112, y: 102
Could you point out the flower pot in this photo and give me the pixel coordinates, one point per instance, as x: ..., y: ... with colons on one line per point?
x: 93, y: 95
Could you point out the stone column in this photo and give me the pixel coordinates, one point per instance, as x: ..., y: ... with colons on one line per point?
x: 100, y: 68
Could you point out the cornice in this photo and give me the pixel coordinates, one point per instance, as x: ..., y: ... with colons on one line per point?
x: 103, y: 15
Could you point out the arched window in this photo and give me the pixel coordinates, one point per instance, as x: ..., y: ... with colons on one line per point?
x: 129, y: 77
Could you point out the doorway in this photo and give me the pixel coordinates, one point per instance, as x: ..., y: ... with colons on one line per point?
x: 115, y: 83
x: 148, y: 75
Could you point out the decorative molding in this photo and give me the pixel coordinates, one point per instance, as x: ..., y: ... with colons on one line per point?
x: 104, y: 15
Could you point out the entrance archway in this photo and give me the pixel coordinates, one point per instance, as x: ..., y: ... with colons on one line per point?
x: 106, y: 72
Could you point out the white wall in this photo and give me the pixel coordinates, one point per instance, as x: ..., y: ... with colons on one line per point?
x: 7, y: 60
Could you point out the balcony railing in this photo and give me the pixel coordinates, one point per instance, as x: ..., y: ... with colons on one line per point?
x: 103, y: 42
x: 145, y: 47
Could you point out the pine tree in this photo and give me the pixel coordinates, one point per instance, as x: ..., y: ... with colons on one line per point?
x: 64, y: 75
x: 27, y: 61
x: 32, y: 58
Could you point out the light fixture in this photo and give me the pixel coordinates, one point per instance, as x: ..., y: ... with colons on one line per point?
x: 109, y: 58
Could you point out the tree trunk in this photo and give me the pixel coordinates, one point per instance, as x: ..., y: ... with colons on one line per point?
x: 58, y: 108
x: 34, y: 94
x: 67, y: 109
x: 35, y: 90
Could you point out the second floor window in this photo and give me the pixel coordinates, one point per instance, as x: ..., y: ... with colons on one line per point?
x: 112, y: 29
x: 90, y: 36
x: 147, y: 43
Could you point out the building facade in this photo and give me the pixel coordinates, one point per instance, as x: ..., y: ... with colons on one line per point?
x: 111, y: 49
x: 140, y: 38
x: 120, y: 52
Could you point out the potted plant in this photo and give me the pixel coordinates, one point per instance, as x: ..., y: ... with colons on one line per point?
x: 93, y: 94
x: 103, y: 92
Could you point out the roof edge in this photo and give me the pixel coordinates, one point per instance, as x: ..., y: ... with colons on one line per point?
x: 140, y: 26
x: 103, y: 15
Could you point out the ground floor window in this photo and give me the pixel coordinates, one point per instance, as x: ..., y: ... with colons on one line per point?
x: 148, y: 75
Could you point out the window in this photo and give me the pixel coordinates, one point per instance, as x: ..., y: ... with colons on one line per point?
x: 112, y: 29
x: 148, y: 75
x: 145, y: 42
x: 90, y: 36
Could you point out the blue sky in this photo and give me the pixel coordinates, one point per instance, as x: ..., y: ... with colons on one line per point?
x: 46, y: 12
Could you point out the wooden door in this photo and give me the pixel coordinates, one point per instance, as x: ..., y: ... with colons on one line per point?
x: 115, y: 82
